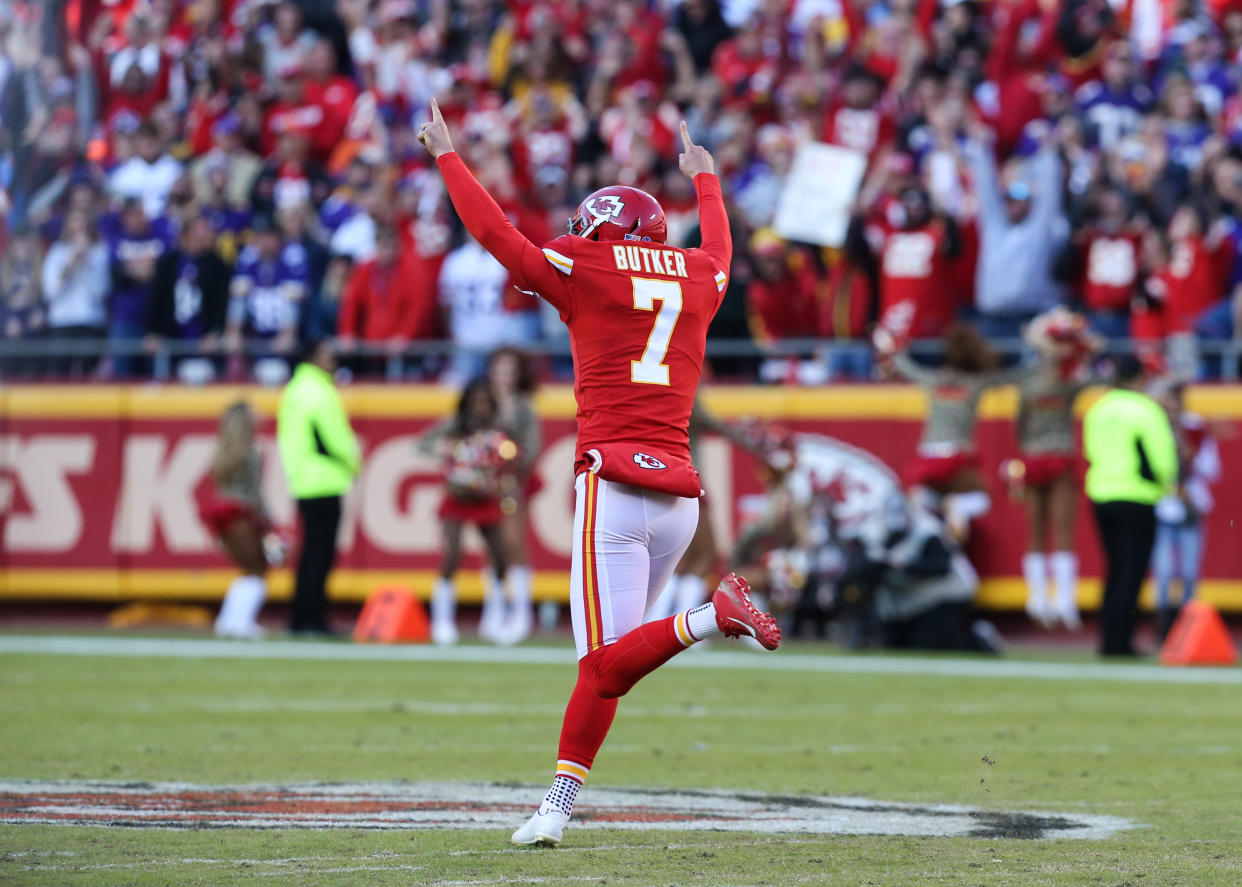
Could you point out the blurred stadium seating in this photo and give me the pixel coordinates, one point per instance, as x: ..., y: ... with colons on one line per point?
x: 287, y: 129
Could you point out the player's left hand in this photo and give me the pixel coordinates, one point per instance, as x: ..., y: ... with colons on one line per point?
x: 434, y: 133
x: 694, y: 158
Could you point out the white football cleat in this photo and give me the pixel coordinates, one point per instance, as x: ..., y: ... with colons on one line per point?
x: 443, y: 632
x: 545, y: 827
x: 1067, y: 613
x: 1039, y: 611
x: 517, y: 628
x: 491, y: 623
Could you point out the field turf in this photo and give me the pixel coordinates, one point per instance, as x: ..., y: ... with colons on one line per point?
x: 1077, y: 739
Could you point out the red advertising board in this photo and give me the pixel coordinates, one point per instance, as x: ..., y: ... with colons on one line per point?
x: 98, y: 487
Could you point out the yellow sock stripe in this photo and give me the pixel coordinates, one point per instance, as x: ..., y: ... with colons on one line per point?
x: 572, y: 770
x: 683, y: 630
x: 594, y: 630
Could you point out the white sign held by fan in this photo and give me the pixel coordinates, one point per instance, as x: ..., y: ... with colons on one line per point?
x: 819, y: 194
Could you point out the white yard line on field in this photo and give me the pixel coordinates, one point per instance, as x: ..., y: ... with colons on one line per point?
x: 558, y: 880
x: 869, y: 664
x: 191, y: 860
x: 341, y: 870
x: 603, y: 848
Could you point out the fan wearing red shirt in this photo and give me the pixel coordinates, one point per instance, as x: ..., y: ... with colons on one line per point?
x: 1194, y: 278
x: 638, y: 313
x: 853, y: 121
x: 384, y: 301
x: 332, y: 92
x: 1109, y: 250
x: 292, y: 111
x: 747, y: 66
x: 1017, y: 64
x: 915, y: 263
x: 1111, y: 271
x: 782, y: 298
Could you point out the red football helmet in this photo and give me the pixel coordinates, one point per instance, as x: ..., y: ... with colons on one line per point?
x: 619, y: 212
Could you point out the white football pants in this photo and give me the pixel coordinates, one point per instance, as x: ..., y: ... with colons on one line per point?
x: 627, y: 541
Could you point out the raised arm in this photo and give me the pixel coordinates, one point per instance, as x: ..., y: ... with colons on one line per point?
x: 1001, y: 377
x: 911, y: 370
x: 486, y: 222
x: 696, y: 162
x: 1046, y: 169
x: 431, y: 441
x: 982, y: 164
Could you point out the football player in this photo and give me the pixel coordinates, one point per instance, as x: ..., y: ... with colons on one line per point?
x: 638, y: 312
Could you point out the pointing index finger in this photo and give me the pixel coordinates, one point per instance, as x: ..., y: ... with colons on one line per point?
x: 685, y: 136
x: 435, y: 112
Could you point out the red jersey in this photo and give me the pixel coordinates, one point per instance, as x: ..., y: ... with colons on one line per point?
x: 637, y: 313
x: 381, y: 303
x: 335, y: 97
x: 788, y: 307
x: 846, y: 304
x: 914, y: 269
x: 1111, y: 272
x: 1193, y: 284
x: 864, y: 129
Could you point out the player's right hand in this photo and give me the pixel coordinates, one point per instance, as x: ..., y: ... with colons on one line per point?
x: 434, y: 133
x: 694, y: 159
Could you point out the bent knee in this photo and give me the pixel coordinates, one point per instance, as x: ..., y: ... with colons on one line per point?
x: 610, y: 688
x: 600, y: 680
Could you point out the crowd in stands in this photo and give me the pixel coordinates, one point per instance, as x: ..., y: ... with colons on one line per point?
x: 233, y: 174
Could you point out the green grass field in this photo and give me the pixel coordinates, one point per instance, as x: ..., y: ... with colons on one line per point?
x: 1166, y: 756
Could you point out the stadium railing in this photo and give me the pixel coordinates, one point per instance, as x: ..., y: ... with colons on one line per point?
x: 36, y: 359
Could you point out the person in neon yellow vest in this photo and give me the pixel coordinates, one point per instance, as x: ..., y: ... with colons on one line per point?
x: 321, y: 457
x: 1132, y: 456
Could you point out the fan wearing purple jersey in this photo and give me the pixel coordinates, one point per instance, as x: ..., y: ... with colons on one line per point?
x: 268, y: 295
x: 135, y: 246
x: 1113, y: 107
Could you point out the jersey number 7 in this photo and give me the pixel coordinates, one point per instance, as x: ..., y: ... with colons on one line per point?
x: 652, y: 370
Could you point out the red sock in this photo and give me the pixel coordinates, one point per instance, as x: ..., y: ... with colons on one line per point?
x: 604, y: 675
x: 636, y: 654
x: 587, y: 719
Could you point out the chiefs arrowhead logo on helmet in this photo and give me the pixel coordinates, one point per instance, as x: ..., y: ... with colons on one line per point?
x: 642, y: 460
x: 619, y: 212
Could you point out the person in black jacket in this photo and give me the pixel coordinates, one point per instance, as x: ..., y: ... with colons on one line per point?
x: 906, y: 561
x: 190, y: 292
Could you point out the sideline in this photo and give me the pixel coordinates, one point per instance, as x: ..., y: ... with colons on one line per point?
x: 862, y: 664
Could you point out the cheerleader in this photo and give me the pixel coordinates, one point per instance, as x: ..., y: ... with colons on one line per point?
x: 235, y: 515
x: 944, y: 477
x: 1180, y: 516
x: 1045, y: 473
x: 511, y: 374
x: 478, y: 475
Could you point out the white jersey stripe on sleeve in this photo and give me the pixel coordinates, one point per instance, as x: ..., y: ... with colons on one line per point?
x: 559, y: 262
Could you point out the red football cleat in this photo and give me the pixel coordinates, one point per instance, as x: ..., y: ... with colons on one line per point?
x: 737, y: 616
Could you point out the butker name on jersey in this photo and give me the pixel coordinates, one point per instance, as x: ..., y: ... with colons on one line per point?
x: 669, y: 262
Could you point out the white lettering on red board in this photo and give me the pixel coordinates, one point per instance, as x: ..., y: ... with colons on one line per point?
x: 157, y: 489
x: 394, y: 522
x: 393, y: 504
x: 41, y: 465
x: 552, y: 508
